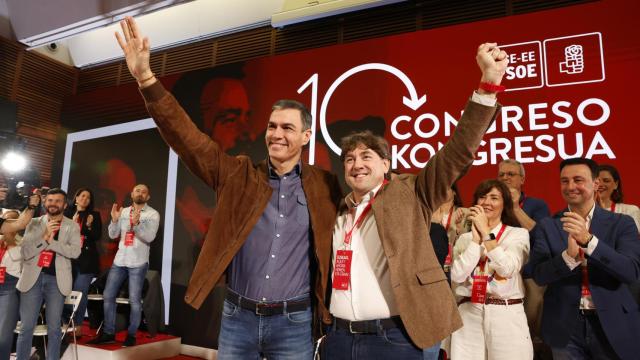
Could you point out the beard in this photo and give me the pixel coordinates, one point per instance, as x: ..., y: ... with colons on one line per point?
x: 139, y: 200
x: 54, y: 210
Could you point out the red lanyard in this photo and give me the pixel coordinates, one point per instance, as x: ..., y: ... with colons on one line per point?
x: 585, y: 272
x: 483, y: 261
x: 131, y: 218
x: 613, y: 207
x: 363, y: 215
x: 446, y: 227
x: 522, y: 201
x: 3, y: 250
x: 79, y: 222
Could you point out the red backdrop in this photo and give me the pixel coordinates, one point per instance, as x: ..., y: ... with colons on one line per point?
x: 559, y: 104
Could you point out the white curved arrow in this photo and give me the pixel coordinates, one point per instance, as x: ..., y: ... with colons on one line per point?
x: 413, y: 101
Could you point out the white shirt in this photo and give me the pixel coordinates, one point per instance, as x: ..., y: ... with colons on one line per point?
x: 12, y: 260
x: 370, y: 295
x: 503, y: 265
x: 145, y: 232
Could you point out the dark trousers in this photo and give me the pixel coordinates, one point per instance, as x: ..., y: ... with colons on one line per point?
x: 587, y: 341
x: 393, y: 343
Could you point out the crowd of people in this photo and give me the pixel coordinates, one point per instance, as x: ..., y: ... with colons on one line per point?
x: 301, y: 260
x: 361, y: 273
x: 58, y: 254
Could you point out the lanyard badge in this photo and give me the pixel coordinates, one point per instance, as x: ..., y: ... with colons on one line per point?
x: 130, y: 235
x: 342, y: 270
x: 480, y: 281
x: 344, y: 257
x: 45, y: 258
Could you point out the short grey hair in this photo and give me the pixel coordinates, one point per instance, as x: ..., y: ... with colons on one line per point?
x: 305, y: 115
x: 514, y: 162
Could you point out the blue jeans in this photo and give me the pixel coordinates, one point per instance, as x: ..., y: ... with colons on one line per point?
x: 245, y: 335
x: 117, y: 275
x: 81, y: 283
x: 45, y: 288
x: 9, y: 314
x: 431, y: 353
x: 385, y: 344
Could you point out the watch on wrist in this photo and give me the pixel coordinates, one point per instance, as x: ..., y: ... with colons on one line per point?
x: 489, y: 237
x: 584, y: 246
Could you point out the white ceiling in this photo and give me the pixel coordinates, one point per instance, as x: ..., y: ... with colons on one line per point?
x: 83, y: 30
x: 173, y: 25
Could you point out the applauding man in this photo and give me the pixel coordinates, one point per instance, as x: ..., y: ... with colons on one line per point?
x: 49, y: 243
x: 136, y: 226
x: 585, y: 256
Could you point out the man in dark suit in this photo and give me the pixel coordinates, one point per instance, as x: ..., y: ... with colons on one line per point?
x: 585, y: 255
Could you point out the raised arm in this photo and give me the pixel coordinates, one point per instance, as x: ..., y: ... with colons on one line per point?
x: 458, y: 153
x: 203, y: 156
x: 23, y: 220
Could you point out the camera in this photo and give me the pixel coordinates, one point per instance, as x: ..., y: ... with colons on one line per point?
x: 18, y: 193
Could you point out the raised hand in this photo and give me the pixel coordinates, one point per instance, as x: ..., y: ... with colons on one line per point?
x: 492, y: 62
x: 115, y: 213
x: 136, y: 51
x: 576, y: 226
x: 596, y: 195
x: 479, y: 219
x: 515, y: 196
x: 459, y: 215
x: 89, y: 220
x: 52, y: 227
x: 573, y: 249
x: 34, y: 201
x: 475, y: 235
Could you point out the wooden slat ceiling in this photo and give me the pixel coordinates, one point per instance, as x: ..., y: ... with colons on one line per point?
x: 388, y: 20
x: 38, y: 85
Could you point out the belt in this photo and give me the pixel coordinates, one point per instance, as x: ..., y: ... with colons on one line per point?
x: 368, y: 326
x: 267, y: 308
x: 494, y: 301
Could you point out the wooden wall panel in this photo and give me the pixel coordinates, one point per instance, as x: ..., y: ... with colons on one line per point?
x: 383, y: 21
x: 38, y: 85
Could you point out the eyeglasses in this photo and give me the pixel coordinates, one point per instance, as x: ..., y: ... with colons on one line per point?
x: 508, y: 174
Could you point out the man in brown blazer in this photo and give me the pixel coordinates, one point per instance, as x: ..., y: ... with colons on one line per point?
x: 390, y: 298
x: 270, y: 231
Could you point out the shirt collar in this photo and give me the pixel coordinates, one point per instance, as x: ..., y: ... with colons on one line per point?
x: 365, y: 199
x: 274, y: 175
x: 143, y: 208
x: 496, y: 228
x: 590, y: 215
